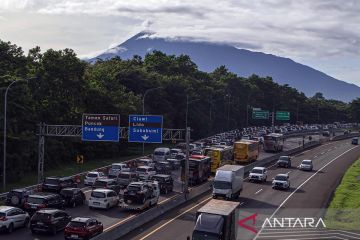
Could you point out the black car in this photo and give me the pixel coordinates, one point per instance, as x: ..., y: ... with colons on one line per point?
x: 55, y: 184
x: 49, y: 221
x: 355, y: 141
x: 163, y: 167
x: 17, y: 197
x: 73, y: 196
x: 284, y: 161
x: 166, y: 183
x: 107, y: 183
x: 43, y: 200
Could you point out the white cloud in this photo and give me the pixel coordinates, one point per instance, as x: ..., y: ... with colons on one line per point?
x: 297, y: 29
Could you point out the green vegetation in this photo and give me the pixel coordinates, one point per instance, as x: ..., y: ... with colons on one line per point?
x: 63, y: 87
x: 344, y: 210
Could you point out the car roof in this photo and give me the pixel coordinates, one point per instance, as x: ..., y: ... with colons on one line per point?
x: 162, y: 175
x: 118, y: 164
x: 6, y: 208
x: 71, y: 188
x: 105, y: 180
x: 147, y: 167
x: 81, y: 219
x: 260, y: 168
x: 282, y: 174
x: 95, y: 172
x: 307, y: 160
x: 103, y: 190
x: 49, y: 210
x: 42, y: 195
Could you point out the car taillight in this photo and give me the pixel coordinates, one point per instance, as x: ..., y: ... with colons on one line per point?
x: 3, y: 219
x: 26, y: 205
x: 42, y: 206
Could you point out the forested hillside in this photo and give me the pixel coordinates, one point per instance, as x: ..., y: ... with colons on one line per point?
x: 62, y: 87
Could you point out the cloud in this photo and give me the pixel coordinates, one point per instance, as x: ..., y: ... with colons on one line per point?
x: 291, y: 28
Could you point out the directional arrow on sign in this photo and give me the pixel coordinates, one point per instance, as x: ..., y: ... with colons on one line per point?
x: 145, y: 137
x: 100, y: 135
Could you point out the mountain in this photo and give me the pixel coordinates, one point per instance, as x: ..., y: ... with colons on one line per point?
x: 243, y: 62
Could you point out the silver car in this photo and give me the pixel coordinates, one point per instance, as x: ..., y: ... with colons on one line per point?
x: 306, y: 165
x: 12, y: 217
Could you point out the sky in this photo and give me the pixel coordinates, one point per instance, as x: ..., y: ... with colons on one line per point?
x: 324, y: 34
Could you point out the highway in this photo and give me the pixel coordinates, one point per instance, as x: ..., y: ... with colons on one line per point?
x: 113, y: 217
x: 309, y: 191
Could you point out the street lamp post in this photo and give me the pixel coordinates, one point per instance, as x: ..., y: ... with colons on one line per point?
x: 4, y: 146
x: 143, y: 109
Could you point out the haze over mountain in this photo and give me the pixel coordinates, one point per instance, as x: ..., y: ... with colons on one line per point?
x: 243, y: 62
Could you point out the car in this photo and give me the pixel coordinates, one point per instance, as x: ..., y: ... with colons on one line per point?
x: 125, y: 178
x: 17, y: 197
x: 73, y: 196
x: 107, y: 183
x: 103, y: 198
x: 145, y: 172
x: 91, y: 177
x: 161, y: 154
x: 163, y: 167
x: 281, y: 181
x: 306, y: 165
x: 197, y: 152
x: 49, y: 221
x: 83, y: 228
x: 284, y: 161
x: 145, y: 162
x: 43, y: 200
x: 12, y: 217
x: 355, y: 141
x: 166, y: 182
x: 118, y: 167
x: 258, y: 174
x: 138, y: 192
x: 174, y: 163
x: 55, y: 184
x: 174, y: 152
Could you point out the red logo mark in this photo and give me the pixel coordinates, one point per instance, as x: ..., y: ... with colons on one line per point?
x: 253, y: 218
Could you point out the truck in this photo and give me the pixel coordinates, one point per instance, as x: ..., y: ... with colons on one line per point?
x: 199, y: 169
x: 246, y: 151
x: 228, y: 181
x: 216, y: 220
x: 141, y: 195
x: 219, y: 155
x: 273, y: 142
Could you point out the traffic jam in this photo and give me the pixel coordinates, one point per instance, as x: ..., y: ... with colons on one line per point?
x: 137, y: 185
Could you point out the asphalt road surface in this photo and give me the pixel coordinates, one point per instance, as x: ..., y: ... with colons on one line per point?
x: 115, y: 216
x: 310, y: 193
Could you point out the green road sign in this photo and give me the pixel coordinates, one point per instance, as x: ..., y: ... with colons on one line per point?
x: 260, y: 114
x: 282, y: 116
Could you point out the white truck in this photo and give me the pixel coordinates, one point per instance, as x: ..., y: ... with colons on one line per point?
x: 141, y: 195
x: 228, y: 182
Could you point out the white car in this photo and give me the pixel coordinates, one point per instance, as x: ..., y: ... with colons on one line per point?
x: 258, y: 174
x: 91, y: 177
x: 306, y: 165
x: 103, y: 198
x: 281, y: 181
x: 145, y: 172
x: 12, y: 217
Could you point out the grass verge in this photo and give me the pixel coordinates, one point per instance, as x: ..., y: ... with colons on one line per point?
x: 344, y: 210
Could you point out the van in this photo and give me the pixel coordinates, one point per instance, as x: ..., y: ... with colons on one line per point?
x: 161, y: 154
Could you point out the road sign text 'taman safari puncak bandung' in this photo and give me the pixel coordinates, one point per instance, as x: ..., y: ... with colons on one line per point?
x: 100, y: 127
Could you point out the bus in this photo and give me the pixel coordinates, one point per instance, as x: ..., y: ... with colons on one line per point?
x: 220, y: 155
x: 273, y: 142
x: 246, y: 151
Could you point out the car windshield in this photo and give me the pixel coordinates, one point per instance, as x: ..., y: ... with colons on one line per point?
x: 2, y: 214
x: 41, y: 216
x: 256, y: 171
x: 222, y: 185
x: 52, y: 181
x: 174, y: 151
x: 112, y: 176
x: 35, y: 200
x: 198, y: 235
x: 134, y: 188
x: 284, y: 158
x: 100, y: 183
x: 66, y: 192
x: 281, y: 178
x: 141, y: 170
x: 306, y: 163
x: 159, y: 153
x: 91, y: 175
x: 77, y: 224
x: 116, y: 167
x: 96, y: 194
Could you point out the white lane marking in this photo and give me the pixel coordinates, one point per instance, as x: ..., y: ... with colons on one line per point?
x: 258, y: 191
x: 118, y: 223
x: 301, y: 185
x: 163, y: 225
x: 313, y: 235
x: 322, y: 153
x: 315, y: 156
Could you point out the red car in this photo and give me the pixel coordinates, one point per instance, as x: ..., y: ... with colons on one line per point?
x: 83, y: 228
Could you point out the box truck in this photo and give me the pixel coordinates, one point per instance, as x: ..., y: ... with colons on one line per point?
x: 228, y: 181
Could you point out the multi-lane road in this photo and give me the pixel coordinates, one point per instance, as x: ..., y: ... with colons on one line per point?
x: 308, y: 196
x: 113, y: 217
